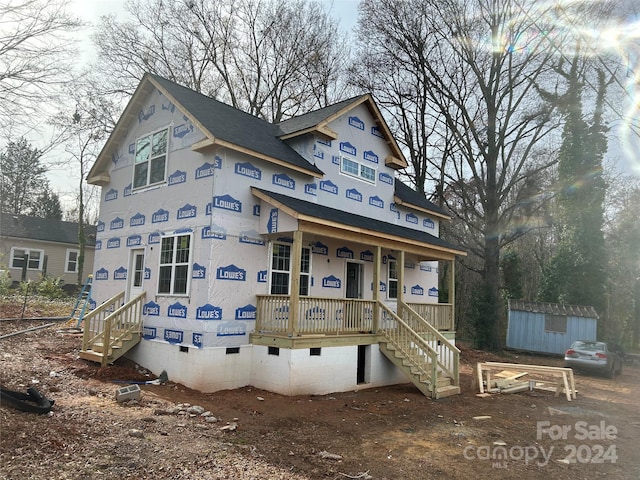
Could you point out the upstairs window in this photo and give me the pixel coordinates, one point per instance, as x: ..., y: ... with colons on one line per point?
x: 150, y: 164
x: 175, y: 261
x: 71, y: 262
x: 34, y: 258
x: 353, y: 168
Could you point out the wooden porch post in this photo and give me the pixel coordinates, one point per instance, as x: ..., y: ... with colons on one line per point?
x: 400, y: 268
x: 452, y: 293
x: 294, y: 294
x: 376, y: 287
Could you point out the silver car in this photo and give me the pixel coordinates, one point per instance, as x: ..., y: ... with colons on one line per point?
x: 593, y: 356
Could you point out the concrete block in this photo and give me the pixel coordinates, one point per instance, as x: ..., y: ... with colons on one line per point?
x: 131, y: 392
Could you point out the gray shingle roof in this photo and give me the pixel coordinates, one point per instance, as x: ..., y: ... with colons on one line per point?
x: 235, y: 126
x: 407, y: 194
x: 347, y: 218
x: 554, y: 308
x: 34, y: 228
x: 311, y: 119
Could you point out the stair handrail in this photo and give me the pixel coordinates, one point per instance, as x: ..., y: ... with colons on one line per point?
x: 97, y: 315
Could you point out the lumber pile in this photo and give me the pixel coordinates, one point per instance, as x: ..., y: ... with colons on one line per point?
x: 499, y: 377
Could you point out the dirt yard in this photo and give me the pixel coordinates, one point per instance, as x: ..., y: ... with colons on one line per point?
x: 381, y: 433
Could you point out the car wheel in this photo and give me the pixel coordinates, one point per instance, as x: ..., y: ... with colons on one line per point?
x: 612, y: 371
x: 619, y: 371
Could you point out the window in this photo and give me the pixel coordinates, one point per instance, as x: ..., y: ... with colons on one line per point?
x: 150, y: 159
x: 392, y: 291
x: 350, y: 167
x: 555, y: 323
x: 175, y: 261
x: 33, y: 258
x: 281, y: 269
x: 71, y: 262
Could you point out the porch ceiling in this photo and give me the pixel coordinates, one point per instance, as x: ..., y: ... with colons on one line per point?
x: 321, y: 220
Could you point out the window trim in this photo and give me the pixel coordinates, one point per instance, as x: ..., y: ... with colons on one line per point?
x: 288, y: 272
x: 149, y: 160
x: 66, y: 260
x: 188, y: 263
x: 28, y: 252
x: 361, y: 166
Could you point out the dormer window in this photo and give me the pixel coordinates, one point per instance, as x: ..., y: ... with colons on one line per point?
x: 150, y: 164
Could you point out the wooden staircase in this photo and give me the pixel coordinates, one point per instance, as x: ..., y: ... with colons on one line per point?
x: 112, y: 329
x: 425, y: 356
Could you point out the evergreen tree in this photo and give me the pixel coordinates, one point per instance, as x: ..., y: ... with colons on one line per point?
x: 22, y: 176
x: 47, y: 205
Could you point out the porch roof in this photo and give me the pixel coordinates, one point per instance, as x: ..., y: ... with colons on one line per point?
x: 322, y: 220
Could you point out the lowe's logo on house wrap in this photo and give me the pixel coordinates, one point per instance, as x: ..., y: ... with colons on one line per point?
x: 329, y: 186
x: 331, y: 282
x: 383, y: 287
x: 346, y: 147
x: 98, y: 245
x: 111, y: 195
x: 146, y: 115
x: 214, y: 232
x: 208, y: 312
x: 409, y: 265
x: 154, y: 237
x: 100, y: 226
x: 177, y: 310
x: 149, y: 333
x: 113, y: 242
x: 317, y: 153
x: 116, y: 157
x: 102, y: 274
x: 262, y: 276
x: 272, y: 223
x: 428, y: 223
x: 425, y: 268
x: 311, y: 189
x: 411, y: 218
x: 324, y: 142
x: 169, y: 106
x: 173, y: 336
x: 120, y: 273
x: 147, y: 273
x: 320, y: 248
x: 370, y: 156
x: 356, y: 122
x: 198, y: 271
x: 231, y: 272
x: 335, y: 159
x: 248, y: 170
x: 132, y: 148
x: 127, y: 191
x: 256, y: 210
x: 344, y: 252
x: 375, y: 131
x: 151, y: 308
x: 188, y: 211
x: 196, y: 339
x: 376, y: 201
x: 248, y: 312
x: 251, y: 237
x: 180, y: 131
x: 116, y: 224
x: 353, y: 194
x: 137, y: 220
x: 160, y: 216
x: 366, y: 256
x: 283, y: 180
x: 417, y: 290
x: 134, y: 240
x: 177, y: 177
x: 205, y: 170
x: 231, y: 329
x: 433, y: 292
x: 227, y: 202
x: 385, y: 178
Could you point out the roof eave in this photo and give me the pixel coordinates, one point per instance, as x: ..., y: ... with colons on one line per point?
x: 413, y: 206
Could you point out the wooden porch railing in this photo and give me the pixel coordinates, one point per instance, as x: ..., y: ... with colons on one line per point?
x: 438, y: 315
x: 316, y: 315
x: 112, y: 324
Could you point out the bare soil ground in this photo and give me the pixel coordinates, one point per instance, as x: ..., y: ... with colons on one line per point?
x: 380, y: 433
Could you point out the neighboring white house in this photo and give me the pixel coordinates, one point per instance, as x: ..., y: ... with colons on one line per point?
x: 204, y: 207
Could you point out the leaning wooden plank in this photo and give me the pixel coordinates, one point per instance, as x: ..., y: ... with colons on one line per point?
x: 510, y: 375
x: 480, y: 379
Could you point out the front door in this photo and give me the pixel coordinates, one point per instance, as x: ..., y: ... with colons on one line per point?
x: 136, y: 273
x: 354, y: 280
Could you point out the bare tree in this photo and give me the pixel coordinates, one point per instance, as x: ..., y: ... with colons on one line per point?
x: 270, y: 58
x: 36, y: 54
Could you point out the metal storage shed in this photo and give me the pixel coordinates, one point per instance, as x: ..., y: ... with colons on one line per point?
x: 549, y: 327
